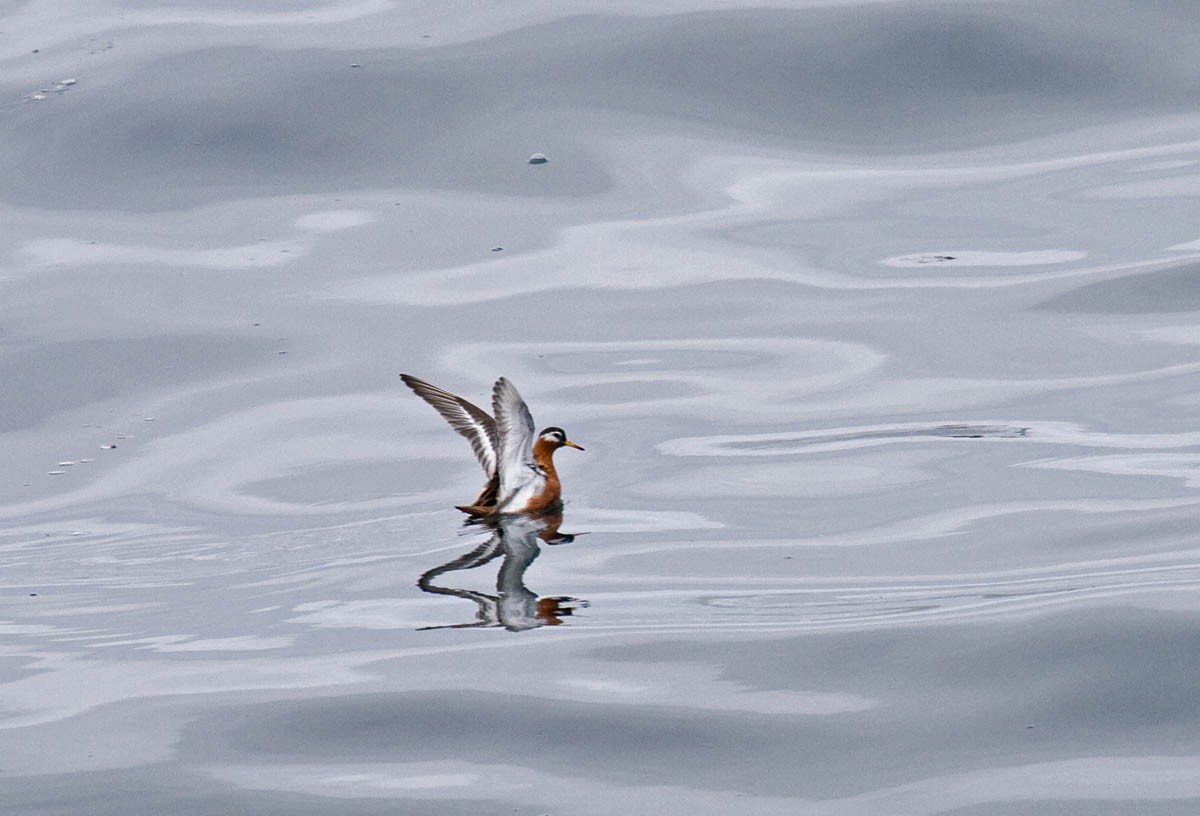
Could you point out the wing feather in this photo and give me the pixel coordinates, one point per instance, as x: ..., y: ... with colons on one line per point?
x: 514, y: 428
x: 468, y: 419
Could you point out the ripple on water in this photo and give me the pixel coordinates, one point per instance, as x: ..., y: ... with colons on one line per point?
x: 1162, y: 291
x: 804, y: 603
x: 1182, y: 466
x: 707, y: 376
x: 980, y: 258
x: 787, y: 443
x: 837, y: 439
x: 663, y: 357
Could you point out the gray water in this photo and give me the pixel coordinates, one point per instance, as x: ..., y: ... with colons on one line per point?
x: 878, y: 322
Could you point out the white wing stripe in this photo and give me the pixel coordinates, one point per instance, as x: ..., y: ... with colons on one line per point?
x: 467, y: 419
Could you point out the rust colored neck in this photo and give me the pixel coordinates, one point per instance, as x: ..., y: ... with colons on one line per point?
x: 543, y: 455
x: 550, y: 498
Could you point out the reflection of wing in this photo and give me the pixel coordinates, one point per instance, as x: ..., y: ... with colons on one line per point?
x: 514, y: 427
x: 488, y: 613
x: 469, y: 420
x: 477, y: 557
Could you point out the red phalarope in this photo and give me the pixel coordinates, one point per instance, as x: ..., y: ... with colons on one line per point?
x: 519, y: 466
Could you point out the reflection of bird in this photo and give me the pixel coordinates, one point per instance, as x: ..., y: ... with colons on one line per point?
x: 520, y: 468
x: 514, y: 606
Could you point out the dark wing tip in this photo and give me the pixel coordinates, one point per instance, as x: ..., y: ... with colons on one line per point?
x: 467, y: 419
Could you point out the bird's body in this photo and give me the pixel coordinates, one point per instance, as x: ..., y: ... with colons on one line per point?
x: 520, y: 466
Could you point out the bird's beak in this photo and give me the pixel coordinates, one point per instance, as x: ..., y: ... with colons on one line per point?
x: 571, y: 444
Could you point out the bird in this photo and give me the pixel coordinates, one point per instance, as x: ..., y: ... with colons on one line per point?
x: 518, y: 464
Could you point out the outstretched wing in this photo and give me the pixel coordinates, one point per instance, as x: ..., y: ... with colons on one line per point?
x: 514, y: 429
x: 468, y: 419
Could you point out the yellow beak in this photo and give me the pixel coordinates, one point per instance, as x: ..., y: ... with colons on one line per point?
x: 571, y: 444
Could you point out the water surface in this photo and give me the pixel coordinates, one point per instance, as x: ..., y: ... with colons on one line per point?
x: 878, y: 322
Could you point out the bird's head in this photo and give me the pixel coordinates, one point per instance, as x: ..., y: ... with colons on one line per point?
x: 557, y: 438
